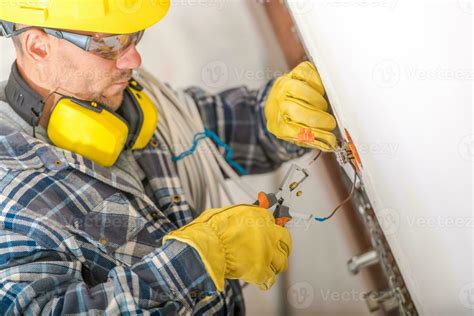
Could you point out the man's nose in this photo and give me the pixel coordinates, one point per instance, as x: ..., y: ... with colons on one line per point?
x: 129, y: 59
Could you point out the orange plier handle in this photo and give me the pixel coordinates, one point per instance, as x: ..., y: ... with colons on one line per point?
x: 281, y: 213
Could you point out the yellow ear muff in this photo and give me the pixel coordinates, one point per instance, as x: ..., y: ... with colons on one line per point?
x: 150, y: 116
x: 88, y: 129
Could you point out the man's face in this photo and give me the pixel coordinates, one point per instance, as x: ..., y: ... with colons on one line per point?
x: 75, y: 72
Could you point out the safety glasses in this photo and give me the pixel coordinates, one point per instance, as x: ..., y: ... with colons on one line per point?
x: 108, y: 47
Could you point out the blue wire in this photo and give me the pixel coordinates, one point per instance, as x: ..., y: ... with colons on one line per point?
x: 219, y: 142
x: 321, y: 219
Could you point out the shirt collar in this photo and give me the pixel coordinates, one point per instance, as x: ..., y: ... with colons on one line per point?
x: 20, y: 150
x: 9, y: 117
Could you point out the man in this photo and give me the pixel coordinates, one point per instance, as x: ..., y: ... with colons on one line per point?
x: 93, y: 217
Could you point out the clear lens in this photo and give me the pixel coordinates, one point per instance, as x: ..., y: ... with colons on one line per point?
x: 111, y: 46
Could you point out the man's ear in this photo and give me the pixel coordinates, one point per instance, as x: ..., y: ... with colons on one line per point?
x: 37, y: 44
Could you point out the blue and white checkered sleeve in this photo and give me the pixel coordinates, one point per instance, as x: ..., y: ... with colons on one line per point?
x: 237, y: 117
x: 35, y: 280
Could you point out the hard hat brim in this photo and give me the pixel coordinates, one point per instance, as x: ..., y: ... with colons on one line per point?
x: 106, y: 16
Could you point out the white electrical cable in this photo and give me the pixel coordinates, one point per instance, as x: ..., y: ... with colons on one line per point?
x: 202, y: 173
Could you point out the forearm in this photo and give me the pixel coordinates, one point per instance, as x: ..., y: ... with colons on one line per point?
x: 37, y: 282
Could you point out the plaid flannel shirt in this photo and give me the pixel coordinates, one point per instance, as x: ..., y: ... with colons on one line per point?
x: 80, y: 239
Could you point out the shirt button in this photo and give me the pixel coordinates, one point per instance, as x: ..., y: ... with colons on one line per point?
x: 103, y: 241
x: 154, y: 143
x: 154, y: 215
x: 194, y: 293
x: 176, y: 199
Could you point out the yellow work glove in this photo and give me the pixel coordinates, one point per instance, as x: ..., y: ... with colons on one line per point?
x: 238, y: 242
x: 296, y: 110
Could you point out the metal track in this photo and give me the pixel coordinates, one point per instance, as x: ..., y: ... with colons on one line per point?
x: 396, y: 296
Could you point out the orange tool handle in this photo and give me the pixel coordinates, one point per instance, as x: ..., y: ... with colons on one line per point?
x: 281, y: 221
x: 268, y: 200
x: 263, y: 200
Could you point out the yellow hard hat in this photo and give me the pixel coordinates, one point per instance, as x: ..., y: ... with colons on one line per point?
x: 100, y: 16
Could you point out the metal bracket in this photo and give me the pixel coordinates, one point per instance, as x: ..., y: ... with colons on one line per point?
x: 356, y: 263
x: 385, y: 300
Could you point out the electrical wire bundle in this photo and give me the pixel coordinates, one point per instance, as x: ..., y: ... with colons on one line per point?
x: 203, y: 173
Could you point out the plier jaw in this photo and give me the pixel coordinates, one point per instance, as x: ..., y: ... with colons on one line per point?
x: 294, y: 177
x: 281, y: 212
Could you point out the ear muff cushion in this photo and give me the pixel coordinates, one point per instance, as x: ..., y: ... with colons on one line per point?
x: 150, y: 119
x: 131, y: 111
x: 141, y: 114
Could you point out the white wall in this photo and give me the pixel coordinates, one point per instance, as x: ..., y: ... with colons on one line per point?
x: 214, y: 44
x: 399, y: 76
x: 7, y: 56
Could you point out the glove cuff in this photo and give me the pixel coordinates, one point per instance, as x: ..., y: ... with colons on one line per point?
x: 204, y: 239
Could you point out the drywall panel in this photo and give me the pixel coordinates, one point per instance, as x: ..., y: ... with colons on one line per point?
x: 399, y: 77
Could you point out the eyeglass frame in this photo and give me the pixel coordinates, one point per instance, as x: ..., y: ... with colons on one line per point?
x: 7, y: 30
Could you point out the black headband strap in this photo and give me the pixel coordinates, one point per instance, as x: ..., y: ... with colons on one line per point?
x: 24, y: 101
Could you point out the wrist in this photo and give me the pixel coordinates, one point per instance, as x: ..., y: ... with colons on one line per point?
x: 207, y: 243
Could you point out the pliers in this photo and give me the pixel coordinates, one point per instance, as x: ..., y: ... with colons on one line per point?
x: 292, y: 180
